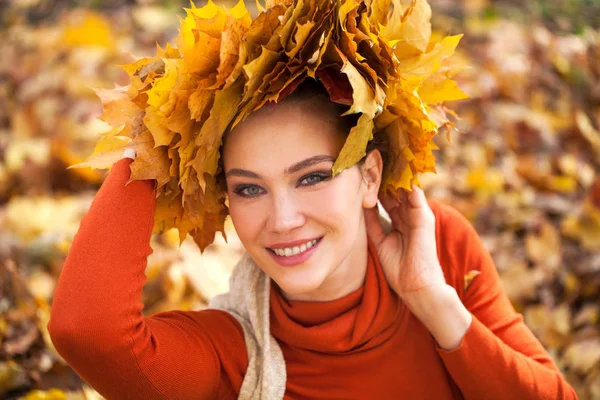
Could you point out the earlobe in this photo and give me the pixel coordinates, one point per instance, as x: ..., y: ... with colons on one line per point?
x: 369, y: 201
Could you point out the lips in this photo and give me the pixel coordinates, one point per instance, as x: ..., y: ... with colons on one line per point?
x: 294, y: 253
x: 293, y: 243
x: 287, y: 251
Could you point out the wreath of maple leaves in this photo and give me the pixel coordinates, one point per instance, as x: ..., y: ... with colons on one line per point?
x: 378, y: 57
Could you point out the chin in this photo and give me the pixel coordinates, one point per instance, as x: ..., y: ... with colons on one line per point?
x: 298, y: 283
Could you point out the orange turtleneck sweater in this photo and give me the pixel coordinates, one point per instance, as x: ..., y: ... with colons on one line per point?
x: 365, y: 345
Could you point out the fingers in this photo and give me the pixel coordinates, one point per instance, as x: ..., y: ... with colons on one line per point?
x: 396, y: 209
x: 408, y: 210
x: 374, y: 229
x: 422, y: 214
x: 389, y: 203
x: 417, y: 197
x: 129, y: 152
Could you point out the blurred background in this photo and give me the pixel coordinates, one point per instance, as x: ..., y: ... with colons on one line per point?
x: 525, y: 169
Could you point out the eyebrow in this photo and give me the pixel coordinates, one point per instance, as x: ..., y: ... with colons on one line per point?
x: 294, y: 168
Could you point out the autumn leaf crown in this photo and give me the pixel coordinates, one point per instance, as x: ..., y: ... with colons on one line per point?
x: 377, y: 57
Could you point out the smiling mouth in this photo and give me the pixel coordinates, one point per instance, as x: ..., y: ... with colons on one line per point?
x: 293, y: 251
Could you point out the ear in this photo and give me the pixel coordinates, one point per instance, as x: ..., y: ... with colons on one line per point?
x: 372, y: 170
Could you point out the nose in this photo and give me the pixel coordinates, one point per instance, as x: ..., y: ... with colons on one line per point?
x: 285, y: 213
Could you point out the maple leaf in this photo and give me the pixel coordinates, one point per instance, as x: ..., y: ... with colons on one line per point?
x: 117, y: 107
x: 468, y: 279
x: 378, y: 58
x: 108, y: 149
x: 359, y: 136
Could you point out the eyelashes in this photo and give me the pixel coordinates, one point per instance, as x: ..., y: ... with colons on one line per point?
x: 319, y: 176
x: 312, y: 179
x: 242, y: 190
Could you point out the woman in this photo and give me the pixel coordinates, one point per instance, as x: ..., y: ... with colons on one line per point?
x: 354, y: 309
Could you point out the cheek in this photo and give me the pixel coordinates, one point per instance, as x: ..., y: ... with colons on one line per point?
x: 334, y: 206
x: 248, y: 219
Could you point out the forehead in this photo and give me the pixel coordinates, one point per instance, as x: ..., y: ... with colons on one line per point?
x: 271, y: 140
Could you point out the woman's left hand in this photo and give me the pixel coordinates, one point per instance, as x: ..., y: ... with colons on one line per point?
x: 408, y: 254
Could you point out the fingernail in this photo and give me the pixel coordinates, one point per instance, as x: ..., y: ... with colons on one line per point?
x: 129, y: 153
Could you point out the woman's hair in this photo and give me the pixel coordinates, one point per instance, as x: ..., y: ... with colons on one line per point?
x: 311, y: 95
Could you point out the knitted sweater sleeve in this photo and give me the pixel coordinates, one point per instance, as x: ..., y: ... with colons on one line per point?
x: 499, y: 357
x: 96, y: 323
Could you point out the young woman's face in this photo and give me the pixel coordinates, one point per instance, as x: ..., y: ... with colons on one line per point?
x: 303, y: 228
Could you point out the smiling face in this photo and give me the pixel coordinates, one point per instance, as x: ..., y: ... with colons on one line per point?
x: 303, y: 228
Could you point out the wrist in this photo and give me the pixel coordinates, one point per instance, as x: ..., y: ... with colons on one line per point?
x: 442, y: 312
x: 425, y: 302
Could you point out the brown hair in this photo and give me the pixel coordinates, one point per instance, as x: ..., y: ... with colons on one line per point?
x: 311, y: 94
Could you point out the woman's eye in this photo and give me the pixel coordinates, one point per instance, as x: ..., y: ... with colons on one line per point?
x: 252, y: 191
x: 314, y: 179
x: 247, y: 191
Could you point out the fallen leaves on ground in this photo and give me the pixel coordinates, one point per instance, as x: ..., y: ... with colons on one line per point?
x: 525, y: 172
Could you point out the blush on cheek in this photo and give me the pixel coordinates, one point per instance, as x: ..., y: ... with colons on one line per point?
x: 247, y: 220
x: 338, y: 197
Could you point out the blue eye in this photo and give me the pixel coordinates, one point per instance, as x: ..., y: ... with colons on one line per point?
x: 251, y: 191
x: 248, y: 190
x: 314, y: 178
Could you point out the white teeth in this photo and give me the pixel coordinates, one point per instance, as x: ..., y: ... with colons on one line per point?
x: 292, y: 251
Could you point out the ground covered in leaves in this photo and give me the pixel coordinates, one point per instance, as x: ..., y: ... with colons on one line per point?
x: 524, y: 170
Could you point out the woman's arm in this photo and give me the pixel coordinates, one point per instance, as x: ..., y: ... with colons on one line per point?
x: 96, y: 321
x: 498, y: 356
x: 444, y: 316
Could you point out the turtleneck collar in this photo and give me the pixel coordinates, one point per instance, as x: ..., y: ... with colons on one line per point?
x: 356, y: 322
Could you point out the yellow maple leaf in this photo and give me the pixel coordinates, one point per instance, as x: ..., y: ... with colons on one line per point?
x: 150, y: 162
x: 379, y: 58
x: 108, y: 149
x: 90, y: 30
x: 356, y: 143
x: 118, y: 109
x: 468, y: 279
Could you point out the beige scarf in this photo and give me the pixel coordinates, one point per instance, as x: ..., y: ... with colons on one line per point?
x: 248, y: 300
